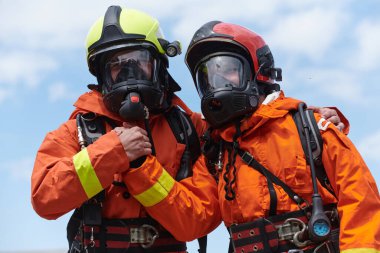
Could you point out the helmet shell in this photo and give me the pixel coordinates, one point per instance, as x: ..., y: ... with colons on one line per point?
x: 118, y: 28
x: 224, y: 105
x: 216, y: 36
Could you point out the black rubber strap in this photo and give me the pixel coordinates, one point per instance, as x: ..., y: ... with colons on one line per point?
x: 272, y: 194
x: 251, y: 161
x: 202, y: 241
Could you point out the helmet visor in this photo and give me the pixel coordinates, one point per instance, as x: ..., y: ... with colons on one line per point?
x: 219, y: 72
x: 130, y: 64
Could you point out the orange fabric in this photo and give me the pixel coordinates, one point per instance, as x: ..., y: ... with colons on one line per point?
x: 270, y: 135
x: 56, y: 188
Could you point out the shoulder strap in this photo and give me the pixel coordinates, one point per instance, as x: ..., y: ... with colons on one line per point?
x: 316, y: 143
x: 90, y: 128
x: 253, y: 163
x: 185, y: 133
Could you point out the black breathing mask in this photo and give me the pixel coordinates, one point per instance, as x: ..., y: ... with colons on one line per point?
x: 223, y: 106
x: 132, y: 80
x: 131, y: 108
x: 225, y: 87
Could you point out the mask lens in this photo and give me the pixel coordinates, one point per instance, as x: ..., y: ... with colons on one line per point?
x: 131, y: 64
x: 219, y: 72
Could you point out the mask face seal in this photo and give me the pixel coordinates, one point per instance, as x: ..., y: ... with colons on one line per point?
x: 133, y: 70
x: 219, y: 72
x: 224, y: 84
x: 129, y: 65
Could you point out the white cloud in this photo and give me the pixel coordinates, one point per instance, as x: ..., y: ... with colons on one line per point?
x: 24, y: 67
x: 307, y: 33
x: 338, y: 84
x: 20, y: 169
x: 369, y: 147
x: 58, y: 91
x: 46, y: 24
x: 367, y: 56
x: 4, y: 94
x: 54, y: 26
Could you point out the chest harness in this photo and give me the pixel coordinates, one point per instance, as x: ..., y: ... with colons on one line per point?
x: 88, y: 231
x: 314, y: 228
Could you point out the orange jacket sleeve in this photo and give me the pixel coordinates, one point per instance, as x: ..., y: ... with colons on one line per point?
x: 188, y: 209
x: 58, y: 186
x: 357, y: 193
x: 343, y: 119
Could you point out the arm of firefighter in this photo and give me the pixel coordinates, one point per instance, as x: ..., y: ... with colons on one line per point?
x: 357, y: 193
x: 64, y: 177
x: 188, y: 209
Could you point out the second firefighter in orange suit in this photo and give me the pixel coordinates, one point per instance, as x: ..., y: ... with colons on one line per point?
x: 235, y: 76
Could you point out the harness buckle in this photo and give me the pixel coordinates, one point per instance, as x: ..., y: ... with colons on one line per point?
x: 292, y: 229
x: 145, y: 235
x: 248, y: 156
x: 295, y: 251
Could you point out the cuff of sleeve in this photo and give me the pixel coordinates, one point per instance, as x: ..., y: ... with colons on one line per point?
x: 150, y: 183
x: 107, y: 156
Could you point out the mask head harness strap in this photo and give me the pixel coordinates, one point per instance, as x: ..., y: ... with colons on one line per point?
x: 267, y: 69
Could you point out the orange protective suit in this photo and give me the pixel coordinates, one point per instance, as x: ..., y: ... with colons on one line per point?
x: 59, y: 184
x: 271, y: 136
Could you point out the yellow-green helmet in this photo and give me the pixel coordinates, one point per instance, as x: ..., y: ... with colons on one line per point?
x: 127, y: 52
x: 122, y: 27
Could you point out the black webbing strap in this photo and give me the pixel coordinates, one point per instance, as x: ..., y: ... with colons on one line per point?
x: 202, y: 241
x: 251, y: 161
x: 272, y: 194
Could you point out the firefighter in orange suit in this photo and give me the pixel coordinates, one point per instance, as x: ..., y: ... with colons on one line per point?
x: 125, y: 182
x: 123, y: 159
x: 266, y: 187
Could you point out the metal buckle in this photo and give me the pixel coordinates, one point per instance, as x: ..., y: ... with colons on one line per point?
x: 291, y: 229
x: 145, y: 235
x: 327, y: 244
x: 295, y: 251
x: 76, y: 247
x: 250, y: 157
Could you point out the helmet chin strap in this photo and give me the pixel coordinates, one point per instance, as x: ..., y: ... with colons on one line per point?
x: 268, y: 88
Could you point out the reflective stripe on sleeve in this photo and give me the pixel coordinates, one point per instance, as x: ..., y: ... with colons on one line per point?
x: 157, y: 192
x: 86, y: 173
x: 361, y: 250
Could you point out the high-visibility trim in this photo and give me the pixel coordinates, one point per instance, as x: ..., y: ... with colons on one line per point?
x: 86, y: 173
x: 361, y: 250
x: 158, y: 191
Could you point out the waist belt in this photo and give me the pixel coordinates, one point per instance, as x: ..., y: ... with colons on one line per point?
x: 142, y: 235
x: 279, y: 234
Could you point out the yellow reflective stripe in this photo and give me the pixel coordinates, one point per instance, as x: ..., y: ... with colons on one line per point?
x: 86, y: 173
x: 157, y: 192
x: 361, y: 250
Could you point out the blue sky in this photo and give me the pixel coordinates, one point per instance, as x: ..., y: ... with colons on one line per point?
x: 329, y: 52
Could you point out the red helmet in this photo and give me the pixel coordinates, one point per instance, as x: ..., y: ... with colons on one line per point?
x: 231, y: 66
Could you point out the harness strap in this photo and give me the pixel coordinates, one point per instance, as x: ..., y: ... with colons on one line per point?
x: 137, y: 235
x: 277, y: 233
x: 272, y: 194
x: 316, y: 143
x: 253, y: 163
